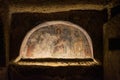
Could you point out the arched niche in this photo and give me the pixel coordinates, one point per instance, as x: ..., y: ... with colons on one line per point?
x: 57, y: 39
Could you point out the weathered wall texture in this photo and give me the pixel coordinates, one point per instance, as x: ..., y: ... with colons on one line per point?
x: 112, y: 55
x: 91, y: 15
x: 19, y: 16
x: 23, y: 22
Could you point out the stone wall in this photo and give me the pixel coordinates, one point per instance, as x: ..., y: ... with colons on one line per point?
x: 19, y: 16
x: 24, y: 16
x: 23, y: 22
x: 91, y: 15
x: 111, y: 54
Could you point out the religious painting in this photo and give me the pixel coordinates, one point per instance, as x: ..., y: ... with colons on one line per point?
x: 57, y: 39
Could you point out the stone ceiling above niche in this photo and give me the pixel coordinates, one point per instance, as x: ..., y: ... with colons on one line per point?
x: 49, y: 6
x: 46, y: 6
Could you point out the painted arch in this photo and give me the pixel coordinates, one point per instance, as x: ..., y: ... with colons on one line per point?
x: 57, y: 39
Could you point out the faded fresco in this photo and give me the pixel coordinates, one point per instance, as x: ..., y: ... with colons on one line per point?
x: 57, y: 41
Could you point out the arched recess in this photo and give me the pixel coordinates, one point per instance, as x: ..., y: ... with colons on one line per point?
x: 57, y: 39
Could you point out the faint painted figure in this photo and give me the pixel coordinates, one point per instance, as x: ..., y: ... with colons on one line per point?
x: 57, y: 41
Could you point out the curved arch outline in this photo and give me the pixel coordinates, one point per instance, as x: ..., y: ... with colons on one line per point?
x: 48, y: 23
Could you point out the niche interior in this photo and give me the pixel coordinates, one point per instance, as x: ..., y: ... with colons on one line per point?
x: 56, y: 40
x: 54, y: 47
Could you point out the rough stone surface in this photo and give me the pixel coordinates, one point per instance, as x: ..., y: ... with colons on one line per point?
x: 18, y: 72
x: 89, y: 14
x: 88, y: 20
x: 111, y: 57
